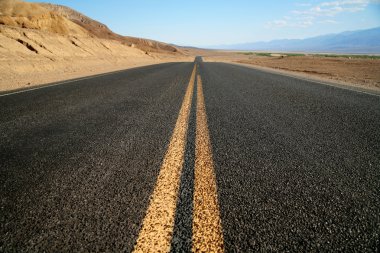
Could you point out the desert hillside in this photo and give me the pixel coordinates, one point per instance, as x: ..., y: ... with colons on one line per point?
x: 41, y: 43
x: 100, y: 30
x: 26, y: 15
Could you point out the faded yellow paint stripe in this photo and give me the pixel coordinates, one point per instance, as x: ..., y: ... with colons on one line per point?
x: 157, y: 228
x: 207, y: 226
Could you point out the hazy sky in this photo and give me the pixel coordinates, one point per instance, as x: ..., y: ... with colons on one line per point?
x: 216, y: 22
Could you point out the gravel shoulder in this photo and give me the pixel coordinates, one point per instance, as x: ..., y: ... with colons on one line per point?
x: 359, y: 73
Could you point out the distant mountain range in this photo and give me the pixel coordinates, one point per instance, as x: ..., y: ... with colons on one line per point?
x: 361, y: 41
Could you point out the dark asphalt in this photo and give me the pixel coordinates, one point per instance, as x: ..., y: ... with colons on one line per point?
x: 297, y: 163
x: 80, y: 160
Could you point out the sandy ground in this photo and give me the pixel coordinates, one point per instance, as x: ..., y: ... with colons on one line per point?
x: 64, y: 70
x: 30, y: 57
x: 364, y: 73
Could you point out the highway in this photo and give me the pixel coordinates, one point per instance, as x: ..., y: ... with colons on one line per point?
x: 182, y: 157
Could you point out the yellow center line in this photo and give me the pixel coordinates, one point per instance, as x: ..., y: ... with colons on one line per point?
x: 157, y: 228
x: 207, y: 226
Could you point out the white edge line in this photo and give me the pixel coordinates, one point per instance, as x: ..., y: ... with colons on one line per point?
x: 73, y: 80
x: 340, y: 86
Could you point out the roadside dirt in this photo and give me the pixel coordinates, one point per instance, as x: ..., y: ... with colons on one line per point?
x: 354, y: 72
x: 30, y: 57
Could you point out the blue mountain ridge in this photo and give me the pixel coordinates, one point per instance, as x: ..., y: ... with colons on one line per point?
x: 361, y: 41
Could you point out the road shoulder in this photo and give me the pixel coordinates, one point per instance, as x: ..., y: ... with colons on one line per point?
x: 310, y: 78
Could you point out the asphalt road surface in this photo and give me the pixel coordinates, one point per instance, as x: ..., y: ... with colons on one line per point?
x: 190, y: 157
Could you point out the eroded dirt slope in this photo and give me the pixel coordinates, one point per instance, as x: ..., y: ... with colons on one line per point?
x: 100, y: 30
x: 41, y: 43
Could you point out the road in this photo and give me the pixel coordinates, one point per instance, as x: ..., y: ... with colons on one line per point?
x: 187, y: 157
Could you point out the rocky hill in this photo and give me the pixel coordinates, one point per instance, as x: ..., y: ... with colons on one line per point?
x: 100, y: 30
x: 42, y: 43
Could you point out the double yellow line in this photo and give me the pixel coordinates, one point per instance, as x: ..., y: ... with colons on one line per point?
x: 158, y: 224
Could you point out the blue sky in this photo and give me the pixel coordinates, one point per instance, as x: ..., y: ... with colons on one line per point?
x: 216, y: 22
